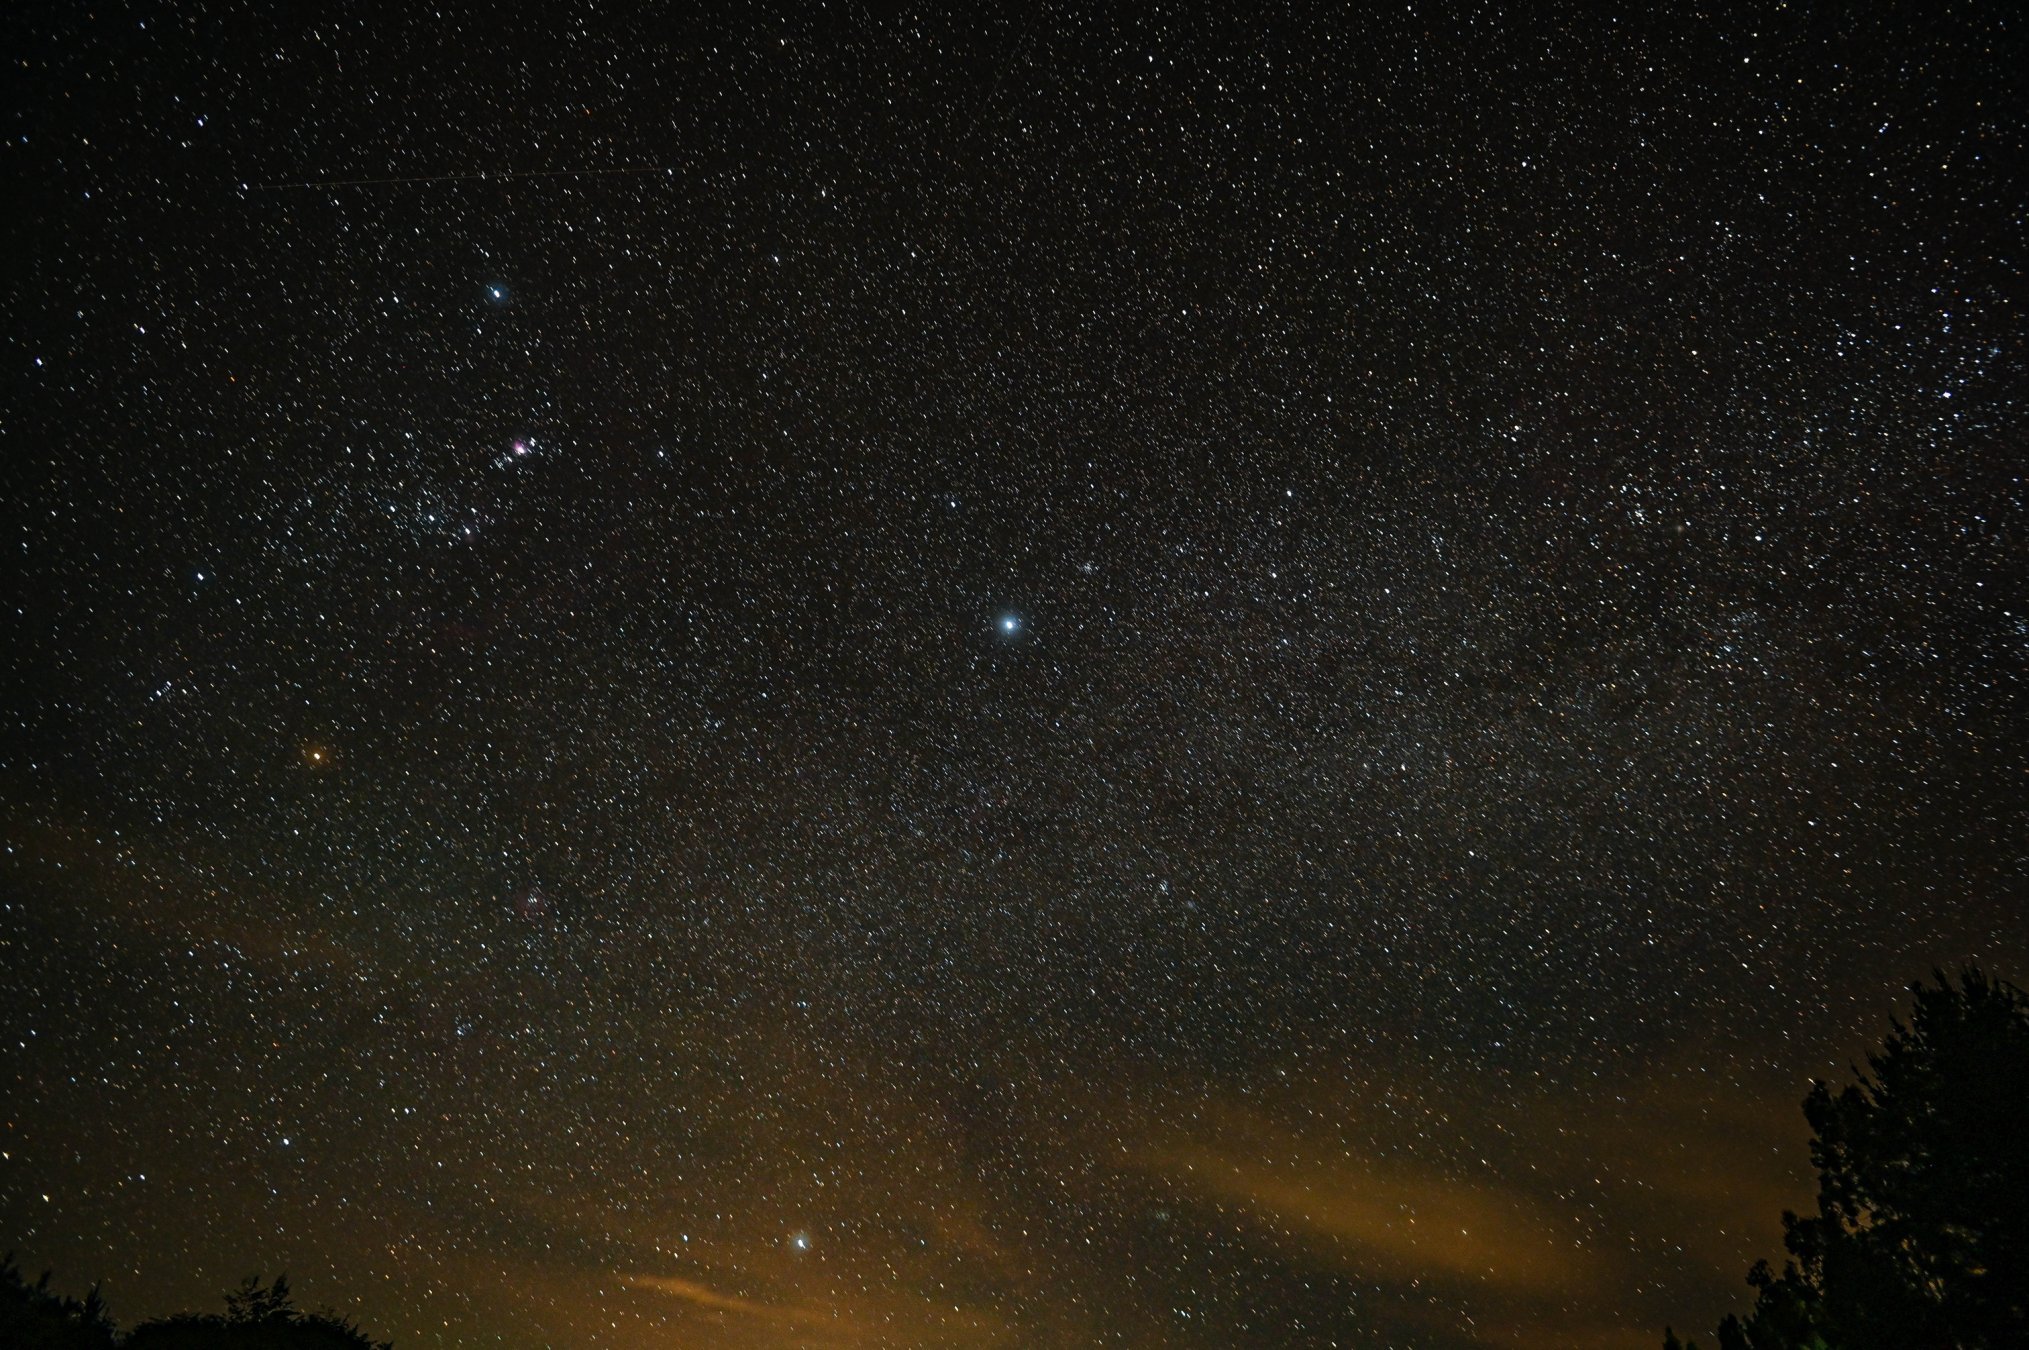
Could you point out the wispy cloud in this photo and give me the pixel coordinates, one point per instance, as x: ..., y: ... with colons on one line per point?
x: 1388, y: 1221
x: 704, y: 1296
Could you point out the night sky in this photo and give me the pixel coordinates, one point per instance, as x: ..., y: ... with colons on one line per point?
x: 1023, y: 679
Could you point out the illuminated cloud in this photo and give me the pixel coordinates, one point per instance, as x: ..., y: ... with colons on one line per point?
x: 713, y: 1300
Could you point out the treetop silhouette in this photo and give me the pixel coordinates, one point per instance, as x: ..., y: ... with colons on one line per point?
x: 257, y: 1317
x: 1921, y: 1236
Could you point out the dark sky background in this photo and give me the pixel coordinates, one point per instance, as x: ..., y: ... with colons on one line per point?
x: 1020, y: 680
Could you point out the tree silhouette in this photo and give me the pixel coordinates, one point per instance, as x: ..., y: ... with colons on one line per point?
x: 257, y: 1317
x: 1921, y: 1239
x: 34, y: 1318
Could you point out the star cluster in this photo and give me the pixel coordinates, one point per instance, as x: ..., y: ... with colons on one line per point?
x: 1040, y: 680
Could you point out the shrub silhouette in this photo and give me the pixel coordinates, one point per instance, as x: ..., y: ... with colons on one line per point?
x: 1921, y: 1237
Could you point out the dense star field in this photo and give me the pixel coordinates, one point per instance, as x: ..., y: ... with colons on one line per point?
x: 1020, y: 680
